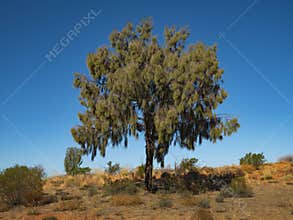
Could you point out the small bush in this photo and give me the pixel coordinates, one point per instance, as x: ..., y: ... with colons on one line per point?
x: 126, y: 200
x: 165, y: 203
x: 204, y: 203
x: 240, y: 188
x: 112, y: 169
x: 121, y: 187
x: 20, y: 185
x: 253, y: 159
x: 287, y: 158
x: 220, y: 198
x: 73, y: 161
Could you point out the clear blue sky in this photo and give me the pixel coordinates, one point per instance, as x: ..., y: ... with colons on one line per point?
x: 39, y: 104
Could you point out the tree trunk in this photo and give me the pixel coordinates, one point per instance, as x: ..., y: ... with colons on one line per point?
x: 149, y: 148
x: 149, y: 164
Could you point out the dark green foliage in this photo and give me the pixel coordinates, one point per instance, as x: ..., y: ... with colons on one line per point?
x: 166, y: 91
x: 73, y: 161
x: 21, y: 185
x: 253, y: 159
x: 240, y: 188
x: 112, y: 169
x: 121, y: 187
x: 187, y: 164
x: 165, y: 203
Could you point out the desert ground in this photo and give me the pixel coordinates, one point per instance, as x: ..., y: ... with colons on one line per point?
x: 84, y: 197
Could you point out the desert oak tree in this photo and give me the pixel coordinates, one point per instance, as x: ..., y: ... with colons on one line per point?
x: 164, y: 91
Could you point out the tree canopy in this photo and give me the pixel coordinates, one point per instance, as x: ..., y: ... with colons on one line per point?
x: 165, y: 91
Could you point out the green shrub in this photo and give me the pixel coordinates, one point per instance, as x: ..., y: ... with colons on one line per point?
x: 73, y: 161
x: 165, y: 203
x: 253, y: 159
x: 121, y: 187
x: 204, y: 203
x: 112, y: 169
x: 240, y: 188
x: 21, y: 185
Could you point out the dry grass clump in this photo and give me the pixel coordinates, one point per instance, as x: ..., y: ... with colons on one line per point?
x: 188, y: 201
x: 240, y: 188
x: 267, y: 174
x: 126, y: 200
x: 121, y: 187
x: 69, y: 205
x: 165, y: 203
x: 202, y: 214
x: 33, y: 211
x: 74, y: 181
x: 247, y: 168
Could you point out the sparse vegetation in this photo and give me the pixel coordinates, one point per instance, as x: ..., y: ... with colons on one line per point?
x: 92, y: 190
x: 165, y: 203
x: 287, y: 158
x: 188, y: 201
x: 126, y: 200
x: 120, y: 187
x: 69, y: 205
x: 253, y: 159
x: 21, y: 185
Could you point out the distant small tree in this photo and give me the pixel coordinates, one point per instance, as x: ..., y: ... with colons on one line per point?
x: 112, y: 168
x: 187, y: 164
x: 73, y: 161
x: 253, y: 159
